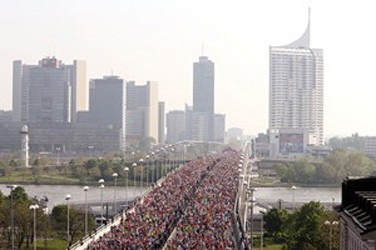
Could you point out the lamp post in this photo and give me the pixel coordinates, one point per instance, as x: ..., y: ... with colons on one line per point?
x: 252, y: 201
x: 12, y: 187
x: 134, y: 165
x: 115, y: 175
x: 67, y: 198
x: 152, y: 167
x: 293, y: 188
x: 147, y: 169
x: 86, y: 188
x: 141, y: 161
x: 34, y: 207
x: 101, y: 186
x: 58, y: 155
x: 126, y: 170
x: 157, y: 165
x: 330, y: 224
x: 90, y: 147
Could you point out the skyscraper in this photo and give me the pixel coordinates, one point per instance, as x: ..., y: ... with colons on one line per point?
x: 296, y: 88
x: 107, y: 104
x: 142, y: 110
x: 203, y: 99
x: 49, y: 91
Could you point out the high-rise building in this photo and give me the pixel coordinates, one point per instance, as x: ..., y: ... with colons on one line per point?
x: 161, y: 122
x: 219, y: 127
x: 203, y: 99
x: 176, y: 122
x: 296, y: 88
x: 49, y: 91
x: 142, y: 111
x: 107, y: 104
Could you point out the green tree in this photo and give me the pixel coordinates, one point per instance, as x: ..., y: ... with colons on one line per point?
x: 76, y: 222
x: 302, y: 229
x: 274, y: 221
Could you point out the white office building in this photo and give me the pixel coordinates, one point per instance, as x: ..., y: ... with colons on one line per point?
x: 296, y: 88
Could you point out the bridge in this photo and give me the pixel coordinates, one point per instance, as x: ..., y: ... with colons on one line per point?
x: 210, y: 193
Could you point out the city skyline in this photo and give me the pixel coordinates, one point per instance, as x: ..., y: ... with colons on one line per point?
x: 160, y: 40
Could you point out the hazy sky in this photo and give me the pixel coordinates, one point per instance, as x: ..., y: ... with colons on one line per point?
x: 160, y: 39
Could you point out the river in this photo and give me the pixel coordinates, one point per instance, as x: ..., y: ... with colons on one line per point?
x: 56, y: 193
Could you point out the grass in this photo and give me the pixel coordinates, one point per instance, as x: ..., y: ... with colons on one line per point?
x: 269, y: 244
x: 51, y: 245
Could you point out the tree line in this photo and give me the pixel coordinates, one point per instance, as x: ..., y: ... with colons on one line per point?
x: 48, y: 225
x: 309, y: 227
x: 334, y: 168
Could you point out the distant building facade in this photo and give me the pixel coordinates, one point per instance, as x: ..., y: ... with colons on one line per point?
x: 203, y: 100
x: 142, y: 111
x: 6, y: 116
x: 107, y: 104
x: 176, y: 122
x: 161, y: 123
x: 370, y: 146
x: 219, y: 127
x: 296, y: 88
x: 49, y: 91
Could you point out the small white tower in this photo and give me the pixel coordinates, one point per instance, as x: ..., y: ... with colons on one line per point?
x: 25, y: 145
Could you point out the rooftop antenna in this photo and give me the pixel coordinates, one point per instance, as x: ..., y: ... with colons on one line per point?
x: 202, y: 49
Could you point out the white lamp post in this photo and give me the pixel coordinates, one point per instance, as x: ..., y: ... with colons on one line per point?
x: 101, y: 186
x: 330, y: 224
x: 147, y: 169
x: 115, y: 175
x: 134, y: 165
x: 90, y: 147
x: 12, y: 187
x: 67, y: 198
x: 252, y: 201
x: 141, y: 161
x: 126, y: 170
x: 293, y: 188
x: 58, y: 155
x: 152, y: 168
x: 34, y: 207
x: 86, y: 188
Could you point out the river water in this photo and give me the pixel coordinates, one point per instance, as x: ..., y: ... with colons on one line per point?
x: 56, y: 194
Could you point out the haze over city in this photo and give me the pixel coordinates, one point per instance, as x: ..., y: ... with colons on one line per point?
x: 160, y: 40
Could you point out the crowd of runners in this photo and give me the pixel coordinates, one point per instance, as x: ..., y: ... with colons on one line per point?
x: 190, y: 209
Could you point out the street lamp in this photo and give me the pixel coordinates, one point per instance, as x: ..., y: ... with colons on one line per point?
x: 90, y: 147
x: 134, y: 165
x: 126, y: 169
x: 252, y: 201
x: 115, y: 175
x: 330, y: 224
x: 34, y: 207
x: 67, y: 198
x: 58, y: 155
x: 293, y: 188
x: 86, y: 188
x: 12, y: 187
x: 153, y: 168
x: 147, y: 169
x: 141, y: 161
x: 101, y: 186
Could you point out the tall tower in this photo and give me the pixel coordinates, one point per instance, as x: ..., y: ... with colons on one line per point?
x: 203, y: 99
x: 25, y: 145
x: 107, y: 104
x: 296, y: 87
x: 142, y: 110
